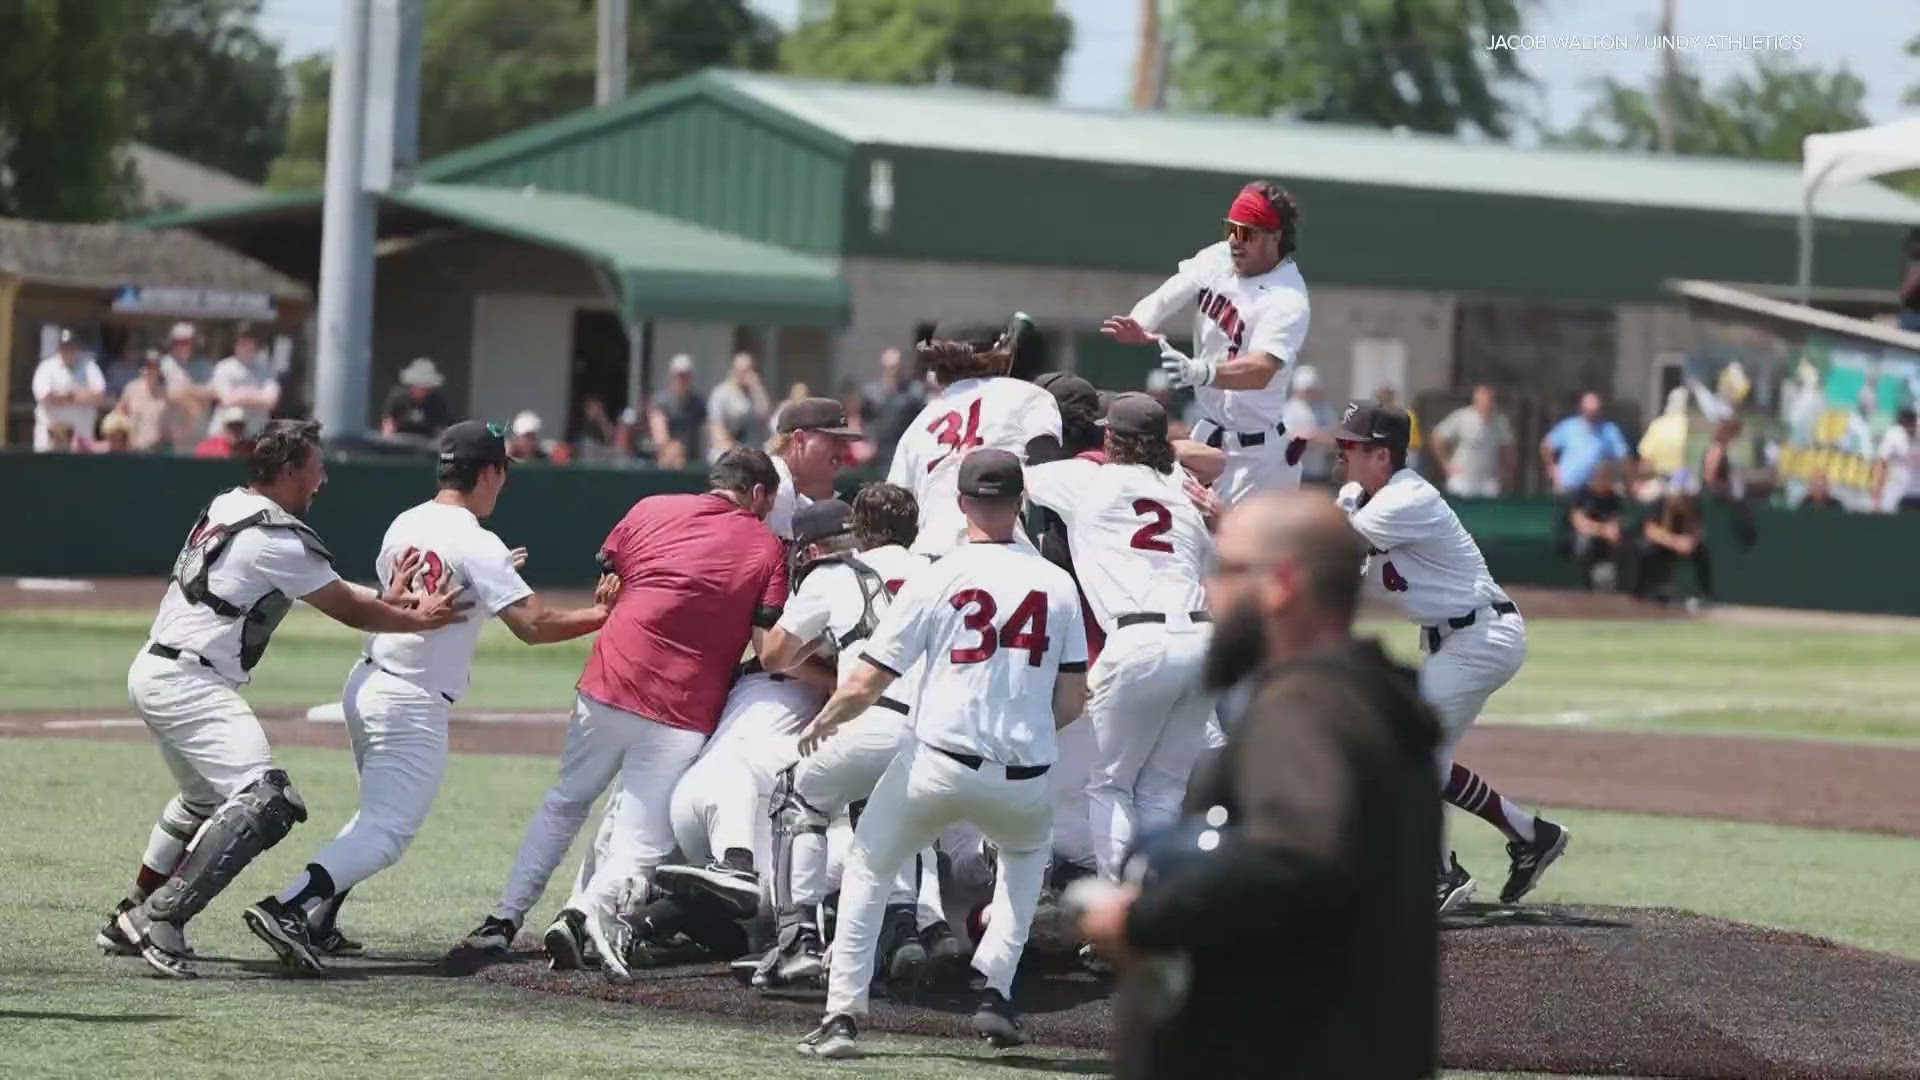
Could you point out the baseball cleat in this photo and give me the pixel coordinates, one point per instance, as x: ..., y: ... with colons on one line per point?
x: 738, y: 889
x: 284, y: 928
x: 836, y: 1037
x: 907, y: 961
x: 1455, y: 887
x: 563, y: 940
x: 996, y: 1022
x: 331, y: 942
x: 608, y: 937
x: 492, y: 936
x: 165, y: 961
x: 111, y: 940
x: 1530, y: 860
x: 805, y: 961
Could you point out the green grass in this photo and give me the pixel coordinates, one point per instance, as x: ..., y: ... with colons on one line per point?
x: 78, y: 812
x: 1651, y: 675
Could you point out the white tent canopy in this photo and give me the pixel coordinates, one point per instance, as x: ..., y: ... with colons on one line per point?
x: 1847, y: 157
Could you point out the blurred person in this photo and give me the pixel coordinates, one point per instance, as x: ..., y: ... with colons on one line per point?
x: 678, y: 418
x: 1306, y: 420
x: 122, y: 370
x: 631, y: 438
x: 68, y: 389
x: 116, y: 434
x: 1598, y: 529
x: 1311, y: 846
x: 230, y: 439
x: 61, y: 439
x: 1663, y: 446
x: 416, y: 406
x: 1910, y: 284
x: 189, y: 375
x: 860, y: 451
x: 595, y: 433
x: 1896, y: 468
x: 149, y: 403
x: 1577, y: 445
x: 1476, y: 449
x: 738, y: 409
x: 1819, y: 494
x: 797, y: 392
x: 1251, y: 316
x: 1717, y: 471
x: 246, y: 380
x: 523, y: 437
x: 890, y: 402
x: 1672, y: 534
x: 248, y: 557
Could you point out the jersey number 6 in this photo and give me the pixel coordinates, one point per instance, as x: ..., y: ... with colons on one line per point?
x: 1025, y: 629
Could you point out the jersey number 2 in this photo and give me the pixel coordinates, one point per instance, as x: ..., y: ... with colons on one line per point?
x: 958, y: 438
x: 1147, y: 537
x: 1025, y: 629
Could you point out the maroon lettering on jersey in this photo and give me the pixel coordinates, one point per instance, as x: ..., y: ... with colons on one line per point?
x: 1223, y: 314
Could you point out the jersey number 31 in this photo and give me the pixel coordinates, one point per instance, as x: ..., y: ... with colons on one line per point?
x: 1025, y: 629
x: 957, y: 438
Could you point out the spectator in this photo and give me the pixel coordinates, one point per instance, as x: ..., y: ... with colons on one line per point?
x: 1476, y: 449
x: 116, y: 434
x: 231, y: 440
x: 1716, y: 466
x: 1859, y: 434
x: 1896, y: 467
x: 595, y: 435
x: 678, y: 420
x: 523, y: 438
x: 416, y: 406
x: 69, y: 389
x: 1577, y: 445
x: 738, y: 409
x: 631, y: 439
x: 1910, y: 284
x: 189, y: 379
x: 890, y: 404
x: 149, y: 404
x: 123, y: 369
x: 1819, y: 494
x: 1674, y: 533
x: 60, y: 439
x: 1663, y: 446
x: 1595, y: 517
x: 247, y: 381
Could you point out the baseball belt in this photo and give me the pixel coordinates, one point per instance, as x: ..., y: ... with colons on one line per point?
x: 1434, y: 637
x: 1135, y: 618
x: 974, y: 761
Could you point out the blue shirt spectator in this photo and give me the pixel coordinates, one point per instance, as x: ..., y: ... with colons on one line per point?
x: 1578, y: 444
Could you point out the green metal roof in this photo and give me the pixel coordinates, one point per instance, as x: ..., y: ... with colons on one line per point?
x: 983, y: 122
x: 666, y: 268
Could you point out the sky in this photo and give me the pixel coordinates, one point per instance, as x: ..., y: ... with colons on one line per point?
x: 1866, y: 36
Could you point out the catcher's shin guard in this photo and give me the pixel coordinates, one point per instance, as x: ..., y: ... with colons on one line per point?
x: 258, y: 816
x: 791, y: 816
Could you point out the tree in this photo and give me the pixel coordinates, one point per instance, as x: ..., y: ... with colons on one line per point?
x: 493, y: 66
x: 1763, y: 113
x: 1013, y: 45
x: 202, y: 83
x: 60, y: 110
x: 1419, y: 64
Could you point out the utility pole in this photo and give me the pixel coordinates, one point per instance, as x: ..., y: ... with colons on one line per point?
x: 1669, y: 78
x: 610, y: 73
x: 342, y: 361
x: 1149, y: 67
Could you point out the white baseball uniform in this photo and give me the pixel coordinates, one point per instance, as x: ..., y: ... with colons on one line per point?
x: 1426, y: 561
x: 398, y: 694
x: 1234, y: 316
x: 830, y: 604
x: 1141, y: 549
x: 1000, y: 413
x: 190, y: 700
x: 721, y: 802
x: 994, y: 625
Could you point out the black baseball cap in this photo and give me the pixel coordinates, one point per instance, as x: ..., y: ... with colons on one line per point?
x: 976, y: 333
x: 1074, y: 395
x: 1137, y: 415
x: 474, y: 442
x: 821, y: 521
x: 822, y: 414
x: 991, y: 474
x: 1375, y: 424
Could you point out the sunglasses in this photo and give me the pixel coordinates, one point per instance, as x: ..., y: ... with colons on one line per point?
x: 1244, y: 233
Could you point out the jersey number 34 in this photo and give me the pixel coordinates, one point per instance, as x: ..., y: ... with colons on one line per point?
x: 1025, y: 629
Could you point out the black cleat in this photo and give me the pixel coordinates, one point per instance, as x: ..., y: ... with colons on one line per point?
x: 1454, y: 888
x: 331, y: 942
x: 737, y: 889
x: 111, y: 940
x: 284, y: 928
x: 996, y: 1022
x: 836, y: 1037
x: 492, y: 936
x: 565, y: 941
x: 1530, y: 860
x: 942, y: 944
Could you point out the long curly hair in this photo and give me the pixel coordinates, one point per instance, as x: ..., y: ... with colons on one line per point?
x: 951, y: 361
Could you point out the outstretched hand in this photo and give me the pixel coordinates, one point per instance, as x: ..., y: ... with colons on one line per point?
x: 1127, y: 330
x: 518, y: 557
x: 815, y: 734
x: 400, y: 577
x: 442, y: 606
x: 607, y: 590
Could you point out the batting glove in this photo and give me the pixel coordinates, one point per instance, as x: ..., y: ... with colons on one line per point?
x: 1183, y: 370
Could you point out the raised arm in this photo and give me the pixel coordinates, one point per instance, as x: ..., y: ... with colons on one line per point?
x: 533, y: 622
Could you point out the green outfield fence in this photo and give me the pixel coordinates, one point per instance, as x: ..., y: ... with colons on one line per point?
x: 125, y: 515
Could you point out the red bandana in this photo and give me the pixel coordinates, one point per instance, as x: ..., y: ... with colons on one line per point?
x: 1250, y: 207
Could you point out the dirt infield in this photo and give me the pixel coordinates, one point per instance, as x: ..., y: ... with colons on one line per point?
x: 1563, y: 990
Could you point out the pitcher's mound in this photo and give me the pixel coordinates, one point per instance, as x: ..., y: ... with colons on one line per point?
x: 1561, y: 990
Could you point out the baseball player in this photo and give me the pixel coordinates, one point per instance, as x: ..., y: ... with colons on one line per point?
x: 248, y: 557
x: 1425, y: 560
x: 1141, y: 549
x: 809, y: 448
x: 1250, y: 323
x: 998, y: 629
x: 979, y: 405
x: 849, y: 587
x: 397, y: 696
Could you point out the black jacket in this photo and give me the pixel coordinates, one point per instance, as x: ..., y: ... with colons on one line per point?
x: 1312, y: 938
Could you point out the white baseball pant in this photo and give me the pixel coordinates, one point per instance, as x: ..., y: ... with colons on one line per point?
x: 399, y: 736
x: 208, y: 735
x: 721, y: 802
x: 1458, y: 679
x: 603, y: 743
x: 922, y: 792
x: 845, y: 769
x: 1250, y: 469
x: 1068, y: 780
x: 1149, y: 718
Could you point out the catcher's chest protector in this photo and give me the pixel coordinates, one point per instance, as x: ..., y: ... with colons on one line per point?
x: 872, y: 588
x: 207, y: 543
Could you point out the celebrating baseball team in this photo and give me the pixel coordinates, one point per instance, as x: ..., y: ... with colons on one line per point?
x: 989, y: 670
